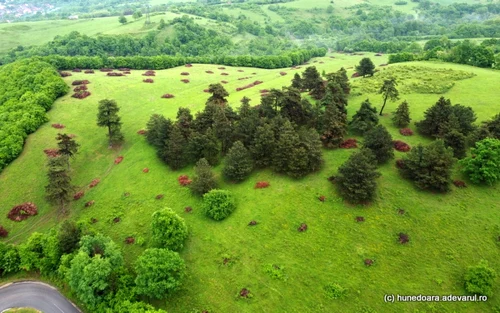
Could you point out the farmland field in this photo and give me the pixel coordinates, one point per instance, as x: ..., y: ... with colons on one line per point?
x: 448, y: 232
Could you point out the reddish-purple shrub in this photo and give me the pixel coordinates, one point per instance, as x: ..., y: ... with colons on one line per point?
x: 189, y: 65
x: 65, y: 74
x: 369, y: 262
x: 245, y: 87
x: 184, y: 180
x: 252, y: 223
x: 78, y: 195
x: 224, y: 81
x: 158, y: 197
x: 224, y: 74
x: 349, y: 143
x: 116, y: 220
x: 94, y: 182
x: 354, y: 75
x: 141, y: 132
x: 360, y: 219
x: 77, y: 70
x: 404, y: 238
x: 188, y: 209
x: 243, y: 78
x: 209, y: 72
x: 206, y: 90
x: 149, y: 73
x: 406, y: 132
x: 400, y: 163
x: 282, y: 73
x: 93, y: 220
x: 52, y: 153
x: 240, y: 70
x: 185, y: 81
x: 81, y: 94
x: 124, y: 69
x: 58, y: 126
x: 89, y: 71
x: 401, y: 146
x: 145, y: 170
x: 80, y: 88
x: 378, y: 54
x: 257, y: 82
x: 244, y: 293
x: 167, y: 96
x: 264, y: 91
x: 303, y: 227
x: 221, y: 68
x: 129, y: 240
x: 3, y: 232
x: 106, y: 69
x: 322, y: 198
x: 148, y: 80
x: 459, y: 184
x: 126, y: 72
x: 185, y: 73
x: 80, y: 82
x: 261, y: 184
x: 119, y: 160
x: 115, y: 74
x: 22, y: 211
x: 383, y: 64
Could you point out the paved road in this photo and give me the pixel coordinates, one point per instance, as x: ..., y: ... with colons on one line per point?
x: 35, y: 295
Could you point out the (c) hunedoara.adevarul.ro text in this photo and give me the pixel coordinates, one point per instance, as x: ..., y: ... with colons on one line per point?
x: 434, y: 298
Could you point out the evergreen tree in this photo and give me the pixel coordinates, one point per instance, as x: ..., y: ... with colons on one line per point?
x: 239, y: 164
x: 429, y: 167
x: 401, y: 117
x: 493, y: 127
x: 158, y: 130
x: 287, y: 142
x: 311, y: 78
x: 108, y: 117
x: 204, y: 178
x: 224, y: 129
x: 335, y: 95
x: 67, y: 146
x: 184, y: 121
x: 365, y: 67
x: 334, y: 127
x: 175, y: 150
x: 318, y: 92
x: 435, y: 118
x: 292, y: 107
x: 205, y: 118
x: 356, y: 179
x: 218, y: 94
x: 379, y: 141
x: 122, y: 19
x: 59, y: 188
x: 365, y: 118
x: 263, y: 146
x: 204, y: 146
x: 68, y: 236
x: 297, y: 81
x: 310, y: 141
x: 247, y: 122
x: 457, y: 141
x: 389, y: 91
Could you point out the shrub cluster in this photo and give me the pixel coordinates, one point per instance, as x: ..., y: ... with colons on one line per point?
x: 78, y: 195
x: 261, y: 184
x: 52, y: 153
x: 80, y: 88
x: 94, y: 182
x: 115, y: 74
x: 168, y: 96
x: 80, y: 82
x: 81, y: 94
x: 406, y: 132
x: 3, y: 232
x: 148, y: 80
x: 209, y: 72
x: 185, y: 81
x: 283, y: 73
x: 76, y: 70
x: 58, y: 126
x: 22, y: 211
x: 185, y: 73
x: 401, y: 146
x: 65, y: 74
x: 119, y: 159
x: 224, y: 74
x: 149, y: 73
x: 89, y: 71
x: 218, y: 204
x: 349, y: 143
x: 184, y: 180
x: 124, y: 69
x: 106, y: 69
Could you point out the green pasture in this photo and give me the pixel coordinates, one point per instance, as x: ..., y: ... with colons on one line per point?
x: 448, y: 232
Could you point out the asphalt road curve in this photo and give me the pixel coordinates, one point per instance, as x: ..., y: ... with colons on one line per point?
x: 35, y: 295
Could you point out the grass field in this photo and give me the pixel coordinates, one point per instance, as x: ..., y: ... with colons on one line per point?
x: 448, y: 232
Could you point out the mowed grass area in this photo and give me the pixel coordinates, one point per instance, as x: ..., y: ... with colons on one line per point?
x: 448, y: 232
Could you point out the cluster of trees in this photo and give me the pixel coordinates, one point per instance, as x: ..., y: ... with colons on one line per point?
x: 284, y: 132
x: 27, y: 90
x: 461, y: 52
x: 93, y: 266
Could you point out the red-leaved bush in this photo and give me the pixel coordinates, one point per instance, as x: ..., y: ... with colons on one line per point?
x: 185, y: 81
x: 22, y: 211
x: 119, y: 160
x: 221, y: 68
x: 78, y: 195
x: 94, y: 183
x: 401, y: 146
x: 355, y: 75
x: 243, y: 78
x: 65, y: 74
x: 80, y: 82
x: 189, y: 65
x: 51, y: 152
x: 167, y: 96
x: 77, y: 70
x: 261, y: 184
x: 3, y: 232
x: 184, y: 180
x: 81, y: 94
x: 141, y: 132
x: 240, y: 70
x: 406, y: 132
x: 322, y: 198
x: 264, y: 91
x: 206, y: 90
x: 185, y: 73
x: 188, y: 209
x: 224, y: 74
x: 89, y: 71
x: 145, y: 170
x: 149, y: 73
x: 80, y: 88
x: 404, y: 238
x: 400, y: 163
x: 209, y: 72
x: 384, y: 64
x: 129, y: 240
x: 158, y: 197
x: 106, y: 69
x: 282, y: 73
x: 349, y: 143
x: 224, y: 81
x: 58, y: 126
x: 115, y: 74
x: 148, y: 80
x: 459, y: 184
x: 90, y: 203
x: 124, y: 69
x: 303, y: 227
x: 257, y: 82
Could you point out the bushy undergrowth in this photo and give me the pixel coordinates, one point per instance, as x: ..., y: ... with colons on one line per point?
x: 218, y: 204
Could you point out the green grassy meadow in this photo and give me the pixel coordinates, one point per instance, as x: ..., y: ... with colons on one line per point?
x: 448, y: 232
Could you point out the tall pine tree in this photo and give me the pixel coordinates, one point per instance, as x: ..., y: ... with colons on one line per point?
x: 204, y: 146
x: 67, y: 146
x: 401, y: 117
x: 365, y: 118
x: 334, y: 127
x: 389, y: 91
x: 59, y: 188
x: 379, y: 141
x: 238, y: 164
x: 174, y: 153
x: 287, y: 142
x: 263, y: 145
x: 204, y: 178
x: 107, y: 116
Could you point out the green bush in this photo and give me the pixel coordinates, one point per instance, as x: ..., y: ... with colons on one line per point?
x: 335, y: 291
x: 169, y: 230
x: 483, y: 166
x: 218, y: 204
x: 479, y: 279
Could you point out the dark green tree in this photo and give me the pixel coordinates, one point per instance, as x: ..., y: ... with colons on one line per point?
x: 429, y: 167
x: 175, y: 150
x: 457, y: 141
x: 379, y: 141
x: 365, y: 67
x: 335, y: 95
x: 224, y: 129
x: 238, y: 165
x: 334, y: 126
x: 9, y: 258
x: 365, y: 118
x: 69, y: 236
x: 137, y: 14
x: 122, y: 19
x: 493, y: 127
x: 356, y: 178
x: 248, y: 120
x: 204, y: 178
x: 483, y: 166
x: 67, y: 146
x: 389, y: 91
x: 401, y: 117
x: 162, y: 24
x: 219, y: 94
x: 168, y: 229
x: 184, y: 121
x: 293, y: 108
x: 158, y: 130
x: 59, y: 188
x: 307, y: 157
x: 159, y: 273
x: 311, y: 78
x: 297, y: 81
x: 263, y: 145
x: 108, y: 117
x: 287, y: 142
x: 204, y: 146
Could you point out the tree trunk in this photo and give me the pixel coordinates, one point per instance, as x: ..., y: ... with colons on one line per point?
x: 109, y: 135
x: 383, y: 106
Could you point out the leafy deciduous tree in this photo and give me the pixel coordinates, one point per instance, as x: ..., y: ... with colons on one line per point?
x: 168, y: 229
x: 483, y: 166
x: 365, y: 67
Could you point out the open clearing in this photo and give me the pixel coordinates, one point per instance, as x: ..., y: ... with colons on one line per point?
x: 448, y: 232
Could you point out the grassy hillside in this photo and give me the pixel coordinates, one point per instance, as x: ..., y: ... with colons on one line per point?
x: 448, y: 232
